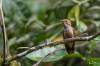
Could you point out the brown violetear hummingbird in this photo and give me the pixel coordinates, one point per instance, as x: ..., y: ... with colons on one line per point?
x: 68, y: 33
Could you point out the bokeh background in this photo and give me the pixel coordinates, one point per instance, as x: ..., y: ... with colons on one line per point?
x: 31, y: 22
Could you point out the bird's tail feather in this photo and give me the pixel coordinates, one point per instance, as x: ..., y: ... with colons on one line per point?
x: 70, y: 49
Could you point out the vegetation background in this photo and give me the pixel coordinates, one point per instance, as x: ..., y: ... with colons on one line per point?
x: 31, y: 22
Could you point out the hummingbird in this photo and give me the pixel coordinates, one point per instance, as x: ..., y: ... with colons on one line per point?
x: 68, y: 33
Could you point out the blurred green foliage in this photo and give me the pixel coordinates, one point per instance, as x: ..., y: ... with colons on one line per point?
x: 30, y: 22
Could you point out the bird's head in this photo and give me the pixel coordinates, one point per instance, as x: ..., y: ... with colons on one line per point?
x: 66, y: 21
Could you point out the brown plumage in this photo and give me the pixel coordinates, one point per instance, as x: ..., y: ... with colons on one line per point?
x: 68, y: 33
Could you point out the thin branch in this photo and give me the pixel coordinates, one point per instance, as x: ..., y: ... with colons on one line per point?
x: 5, y: 47
x: 25, y: 48
x: 88, y: 38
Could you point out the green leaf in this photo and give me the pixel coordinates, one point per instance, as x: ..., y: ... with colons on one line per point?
x: 7, y: 5
x: 74, y: 13
x: 81, y: 26
x: 39, y: 54
x: 92, y: 44
x: 80, y: 1
x: 97, y: 38
x: 93, y: 62
x: 75, y: 55
x: 52, y: 26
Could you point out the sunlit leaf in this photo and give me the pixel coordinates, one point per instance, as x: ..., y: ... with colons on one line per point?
x: 74, y: 13
x: 12, y: 41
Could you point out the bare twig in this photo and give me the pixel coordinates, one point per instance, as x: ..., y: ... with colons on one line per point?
x: 25, y: 48
x: 88, y: 38
x: 5, y: 46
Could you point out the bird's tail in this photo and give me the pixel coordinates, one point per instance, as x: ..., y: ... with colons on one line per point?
x: 70, y: 48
